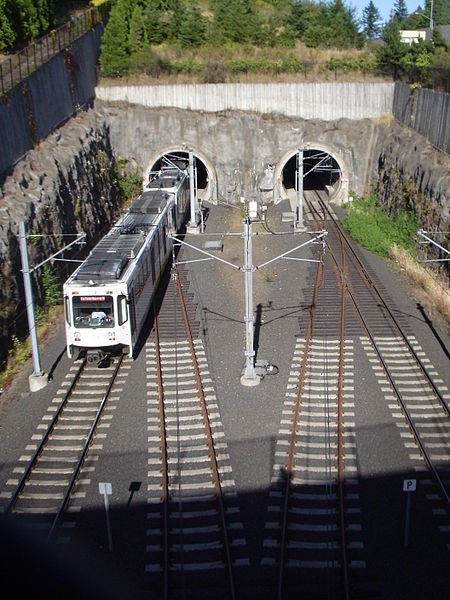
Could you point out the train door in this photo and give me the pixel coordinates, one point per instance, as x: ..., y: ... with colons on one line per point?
x: 133, y: 316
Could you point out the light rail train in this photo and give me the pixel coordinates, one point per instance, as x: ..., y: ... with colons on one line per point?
x: 107, y: 298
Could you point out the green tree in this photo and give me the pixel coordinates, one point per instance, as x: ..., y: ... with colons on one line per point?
x: 371, y: 20
x: 192, y: 30
x: 115, y: 52
x: 51, y: 285
x: 400, y: 10
x: 394, y: 51
x: 137, y: 36
x: 7, y: 32
x: 155, y: 28
x: 342, y: 21
x: 25, y: 20
x: 234, y: 21
x: 305, y: 14
x: 45, y: 14
x: 441, y: 11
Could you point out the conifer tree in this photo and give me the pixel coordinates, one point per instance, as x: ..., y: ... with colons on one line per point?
x: 137, y: 37
x: 155, y: 29
x: 114, y: 56
x: 25, y: 20
x: 392, y: 53
x: 371, y: 19
x: 400, y: 10
x: 192, y: 31
x: 7, y: 33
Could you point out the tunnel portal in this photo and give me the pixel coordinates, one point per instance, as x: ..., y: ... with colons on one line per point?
x: 320, y: 172
x: 203, y: 173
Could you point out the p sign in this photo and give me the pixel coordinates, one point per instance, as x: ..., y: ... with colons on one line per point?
x: 409, y: 485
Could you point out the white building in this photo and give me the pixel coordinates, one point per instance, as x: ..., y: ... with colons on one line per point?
x: 408, y: 36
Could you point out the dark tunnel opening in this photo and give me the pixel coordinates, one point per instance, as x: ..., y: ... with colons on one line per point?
x: 199, y: 165
x: 320, y: 170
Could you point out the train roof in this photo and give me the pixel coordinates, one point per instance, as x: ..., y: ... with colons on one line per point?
x: 109, y: 258
x: 167, y: 178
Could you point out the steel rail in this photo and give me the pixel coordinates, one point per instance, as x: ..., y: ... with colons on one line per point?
x: 340, y: 429
x: 164, y: 462
x: 340, y: 413
x: 209, y: 437
x: 386, y: 307
x: 44, y: 440
x: 394, y: 386
x: 84, y: 452
x: 294, y: 426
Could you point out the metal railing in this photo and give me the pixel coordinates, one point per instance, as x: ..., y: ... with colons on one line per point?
x: 18, y: 66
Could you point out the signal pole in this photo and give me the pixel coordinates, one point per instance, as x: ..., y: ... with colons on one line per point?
x: 193, y: 224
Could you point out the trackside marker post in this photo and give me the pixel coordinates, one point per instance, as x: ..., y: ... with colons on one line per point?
x: 409, y: 486
x: 106, y: 490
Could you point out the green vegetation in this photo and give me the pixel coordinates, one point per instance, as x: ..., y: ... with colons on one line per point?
x: 373, y: 229
x: 139, y: 33
x: 219, y: 40
x: 52, y: 286
x: 128, y: 182
x: 23, y: 21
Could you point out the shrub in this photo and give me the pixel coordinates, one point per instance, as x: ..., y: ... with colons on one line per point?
x: 51, y: 285
x: 370, y: 227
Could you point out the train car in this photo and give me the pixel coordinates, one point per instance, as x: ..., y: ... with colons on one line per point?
x: 108, y: 297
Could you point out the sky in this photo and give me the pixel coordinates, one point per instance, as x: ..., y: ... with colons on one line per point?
x: 385, y: 6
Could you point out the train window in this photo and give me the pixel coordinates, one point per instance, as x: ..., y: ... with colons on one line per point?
x: 122, y: 310
x: 67, y: 310
x: 93, y: 311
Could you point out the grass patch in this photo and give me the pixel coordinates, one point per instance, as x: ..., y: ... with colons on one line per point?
x: 372, y: 229
x: 20, y: 351
x: 394, y: 238
x: 435, y: 287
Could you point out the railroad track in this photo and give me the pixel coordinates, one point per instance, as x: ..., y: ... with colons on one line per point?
x: 194, y: 536
x: 314, y: 525
x: 53, y: 478
x: 405, y: 375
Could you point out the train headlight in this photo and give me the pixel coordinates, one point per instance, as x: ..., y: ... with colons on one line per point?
x: 77, y: 336
x: 111, y: 335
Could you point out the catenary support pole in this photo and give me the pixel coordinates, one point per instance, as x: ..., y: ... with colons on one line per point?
x: 193, y: 225
x: 37, y: 379
x: 249, y: 377
x: 298, y: 215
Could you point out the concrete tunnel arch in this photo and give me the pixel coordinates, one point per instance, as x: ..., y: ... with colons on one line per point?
x: 206, y: 173
x: 335, y: 181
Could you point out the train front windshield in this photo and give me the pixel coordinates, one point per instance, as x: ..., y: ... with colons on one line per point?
x: 93, y: 311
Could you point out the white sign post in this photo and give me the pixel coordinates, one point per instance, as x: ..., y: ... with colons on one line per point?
x: 106, y: 490
x: 409, y: 486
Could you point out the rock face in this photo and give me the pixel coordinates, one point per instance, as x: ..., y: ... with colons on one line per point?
x: 66, y: 185
x: 240, y: 147
x: 411, y: 174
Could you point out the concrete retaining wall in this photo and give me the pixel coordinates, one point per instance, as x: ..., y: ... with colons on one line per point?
x: 325, y: 101
x: 426, y: 111
x: 47, y: 98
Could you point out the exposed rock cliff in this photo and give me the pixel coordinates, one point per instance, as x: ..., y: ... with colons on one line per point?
x: 65, y: 185
x: 412, y: 174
